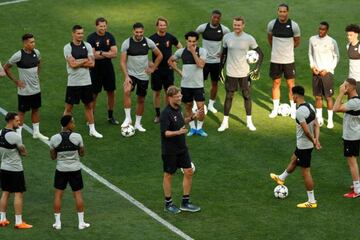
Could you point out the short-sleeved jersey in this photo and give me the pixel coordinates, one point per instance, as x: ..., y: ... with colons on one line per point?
x: 237, y: 47
x: 171, y: 119
x: 10, y: 141
x: 78, y: 76
x: 354, y: 61
x: 101, y: 43
x: 192, y: 75
x: 67, y: 144
x: 351, y: 121
x: 137, y: 56
x: 164, y: 44
x: 27, y: 64
x: 211, y: 40
x: 283, y: 34
x: 302, y: 115
x: 323, y: 53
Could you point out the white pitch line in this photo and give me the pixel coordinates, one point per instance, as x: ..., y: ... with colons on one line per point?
x: 121, y: 192
x: 12, y: 2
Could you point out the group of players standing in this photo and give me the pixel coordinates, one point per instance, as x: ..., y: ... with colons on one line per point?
x: 90, y: 69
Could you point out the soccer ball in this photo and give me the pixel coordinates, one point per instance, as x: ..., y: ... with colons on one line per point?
x: 192, y: 166
x: 128, y: 131
x: 252, y: 56
x: 284, y: 110
x: 281, y: 191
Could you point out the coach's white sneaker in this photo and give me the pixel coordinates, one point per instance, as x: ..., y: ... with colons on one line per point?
x: 273, y: 113
x: 223, y: 126
x: 251, y: 126
x: 57, y: 226
x: 126, y: 122
x: 140, y: 128
x: 83, y: 225
x: 95, y: 134
x: 38, y: 135
x: 212, y: 109
x: 321, y: 121
x: 330, y: 124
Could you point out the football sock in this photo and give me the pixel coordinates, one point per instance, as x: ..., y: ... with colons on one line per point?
x: 81, y: 217
x: 199, y: 124
x: 92, y: 127
x: 36, y: 127
x: 18, y: 219
x: 276, y: 103
x: 248, y: 119
x: 226, y: 120
x: 318, y: 112
x: 330, y: 115
x: 211, y: 103
x: 138, y: 120
x: 127, y: 113
x: 110, y: 113
x: 284, y: 175
x: 157, y: 111
x: 311, y: 196
x: 168, y: 201
x: 292, y: 105
x: 57, y: 218
x: 2, y: 216
x: 185, y: 199
x: 192, y: 124
x: 356, y: 186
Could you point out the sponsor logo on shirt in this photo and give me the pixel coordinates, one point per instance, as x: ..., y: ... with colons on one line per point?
x: 287, y: 26
x: 175, y: 118
x: 144, y: 44
x: 167, y: 44
x: 219, y: 31
x: 108, y: 42
x: 97, y: 44
x: 83, y: 47
x: 34, y: 55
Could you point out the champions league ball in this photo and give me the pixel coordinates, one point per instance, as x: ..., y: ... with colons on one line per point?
x: 128, y: 131
x: 281, y: 191
x: 252, y: 56
x: 284, y: 110
x: 192, y: 166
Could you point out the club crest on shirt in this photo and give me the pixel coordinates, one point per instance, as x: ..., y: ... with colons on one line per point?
x: 34, y: 55
x: 108, y: 42
x: 287, y: 26
x: 83, y: 47
x: 97, y: 44
x: 219, y: 31
x: 157, y: 44
x: 144, y: 44
x: 167, y: 44
x: 175, y: 118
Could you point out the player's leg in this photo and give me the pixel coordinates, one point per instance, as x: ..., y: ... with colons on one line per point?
x: 156, y: 102
x: 184, y: 161
x: 289, y: 74
x: 57, y: 208
x: 280, y: 179
x: 23, y: 107
x: 169, y: 168
x: 109, y: 85
x: 3, y: 207
x: 111, y: 106
x: 275, y: 73
x: 156, y: 86
x: 188, y: 99
x: 328, y: 86
x: 199, y: 97
x: 318, y: 93
x: 35, y: 117
x: 304, y: 161
x: 231, y: 85
x: 128, y: 88
x: 214, y: 75
x: 141, y: 92
x: 86, y: 96
x: 245, y: 86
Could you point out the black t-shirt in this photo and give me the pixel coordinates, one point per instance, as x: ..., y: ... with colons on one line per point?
x: 164, y: 43
x: 102, y: 43
x: 171, y: 119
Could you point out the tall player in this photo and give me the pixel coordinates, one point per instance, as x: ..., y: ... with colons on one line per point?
x: 27, y: 61
x: 235, y: 46
x: 102, y: 74
x: 212, y: 35
x: 79, y: 58
x: 163, y: 76
x: 283, y: 37
x: 353, y: 50
x: 323, y: 57
x: 135, y: 67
